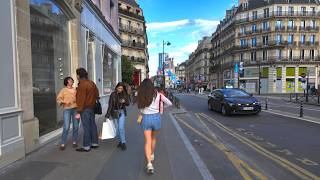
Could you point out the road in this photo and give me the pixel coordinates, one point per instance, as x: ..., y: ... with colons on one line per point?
x: 264, y: 146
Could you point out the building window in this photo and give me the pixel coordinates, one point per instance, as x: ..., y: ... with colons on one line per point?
x: 242, y: 30
x: 265, y: 40
x: 290, y: 39
x: 312, y: 54
x: 254, y: 15
x: 266, y: 12
x: 313, y: 24
x: 254, y: 41
x: 50, y: 61
x: 290, y: 24
x: 291, y: 11
x: 265, y: 55
x: 278, y: 24
x: 278, y: 39
x: 290, y: 55
x: 265, y: 25
x: 279, y: 11
x: 253, y: 56
x: 303, y: 11
x: 278, y: 54
x: 243, y: 42
x: 303, y: 24
x: 302, y: 39
x: 254, y: 28
x: 302, y: 54
x: 312, y: 39
x: 241, y: 57
x: 313, y: 11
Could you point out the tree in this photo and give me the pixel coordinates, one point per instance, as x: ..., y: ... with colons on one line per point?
x: 127, y: 70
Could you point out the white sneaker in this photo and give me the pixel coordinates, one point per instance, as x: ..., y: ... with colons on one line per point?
x: 150, y: 168
x: 152, y: 157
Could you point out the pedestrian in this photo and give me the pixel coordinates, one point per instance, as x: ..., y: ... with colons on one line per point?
x: 117, y: 110
x: 87, y: 95
x: 67, y: 99
x: 150, y: 103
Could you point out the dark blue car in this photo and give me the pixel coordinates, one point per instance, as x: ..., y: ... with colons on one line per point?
x: 233, y: 101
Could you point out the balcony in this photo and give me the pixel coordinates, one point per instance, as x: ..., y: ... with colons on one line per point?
x: 281, y: 28
x: 277, y: 14
x: 130, y: 14
x: 131, y: 29
x: 314, y: 29
x: 133, y: 44
x: 136, y: 59
x: 292, y: 28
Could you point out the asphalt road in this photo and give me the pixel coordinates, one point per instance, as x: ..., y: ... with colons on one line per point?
x: 264, y: 146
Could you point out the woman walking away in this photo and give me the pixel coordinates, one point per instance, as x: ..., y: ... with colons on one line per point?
x: 150, y: 103
x: 67, y: 99
x: 117, y: 110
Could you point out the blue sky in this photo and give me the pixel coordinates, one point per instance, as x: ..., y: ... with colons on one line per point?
x: 182, y: 23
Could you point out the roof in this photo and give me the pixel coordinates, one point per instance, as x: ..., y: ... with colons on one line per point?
x: 130, y: 2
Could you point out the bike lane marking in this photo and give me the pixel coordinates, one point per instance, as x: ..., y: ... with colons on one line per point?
x: 204, y: 171
x: 295, y: 169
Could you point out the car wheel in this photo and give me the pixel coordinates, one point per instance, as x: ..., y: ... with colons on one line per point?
x: 224, y: 111
x: 209, y: 106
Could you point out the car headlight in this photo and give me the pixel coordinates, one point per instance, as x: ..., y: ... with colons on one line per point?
x: 230, y: 104
x: 256, y: 103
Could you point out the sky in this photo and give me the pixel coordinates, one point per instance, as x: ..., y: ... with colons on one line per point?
x: 182, y: 23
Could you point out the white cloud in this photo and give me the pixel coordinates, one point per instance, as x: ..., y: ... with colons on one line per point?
x: 152, y: 45
x: 166, y: 26
x: 206, y: 28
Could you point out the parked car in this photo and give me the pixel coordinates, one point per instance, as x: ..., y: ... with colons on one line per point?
x: 233, y: 101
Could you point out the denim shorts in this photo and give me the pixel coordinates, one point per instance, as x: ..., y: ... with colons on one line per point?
x: 151, y: 122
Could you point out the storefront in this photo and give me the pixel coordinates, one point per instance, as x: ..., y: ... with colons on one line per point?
x: 101, y: 50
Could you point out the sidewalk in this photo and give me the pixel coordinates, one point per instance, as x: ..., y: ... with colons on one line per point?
x: 172, y: 160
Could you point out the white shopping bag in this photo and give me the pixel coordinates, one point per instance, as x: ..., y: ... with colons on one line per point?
x: 108, y: 130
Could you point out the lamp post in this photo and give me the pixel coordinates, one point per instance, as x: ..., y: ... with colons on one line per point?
x: 163, y: 59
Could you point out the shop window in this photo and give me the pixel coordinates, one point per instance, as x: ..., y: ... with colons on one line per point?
x: 265, y: 72
x: 290, y: 71
x: 302, y: 70
x: 50, y: 62
x: 108, y: 70
x: 279, y: 72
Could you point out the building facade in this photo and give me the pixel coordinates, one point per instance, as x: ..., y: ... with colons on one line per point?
x: 46, y: 41
x: 268, y: 46
x: 198, y: 65
x: 180, y: 71
x: 134, y: 38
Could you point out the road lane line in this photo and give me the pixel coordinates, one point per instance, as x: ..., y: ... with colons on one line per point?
x: 204, y: 171
x: 271, y: 111
x: 239, y: 164
x: 297, y: 170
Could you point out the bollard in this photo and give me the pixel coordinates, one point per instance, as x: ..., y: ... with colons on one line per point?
x: 290, y: 97
x: 266, y: 104
x: 296, y: 97
x: 301, y: 109
x: 319, y: 99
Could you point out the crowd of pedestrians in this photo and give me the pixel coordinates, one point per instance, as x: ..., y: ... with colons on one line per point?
x: 79, y: 106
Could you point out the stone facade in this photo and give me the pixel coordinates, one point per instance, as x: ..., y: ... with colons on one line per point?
x: 134, y: 38
x: 198, y: 64
x: 20, y: 116
x: 275, y: 43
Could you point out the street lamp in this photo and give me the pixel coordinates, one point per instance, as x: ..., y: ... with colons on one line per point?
x: 167, y: 43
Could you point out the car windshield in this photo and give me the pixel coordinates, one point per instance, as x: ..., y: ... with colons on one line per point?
x: 235, y: 93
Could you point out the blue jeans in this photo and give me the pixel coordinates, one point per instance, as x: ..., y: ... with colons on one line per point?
x: 68, y: 116
x: 90, y: 131
x: 120, y: 123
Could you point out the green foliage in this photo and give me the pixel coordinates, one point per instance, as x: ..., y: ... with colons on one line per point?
x: 127, y: 70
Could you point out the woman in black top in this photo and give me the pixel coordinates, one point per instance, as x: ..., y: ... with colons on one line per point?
x: 117, y: 110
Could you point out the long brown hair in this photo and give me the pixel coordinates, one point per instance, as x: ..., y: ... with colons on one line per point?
x: 146, y: 94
